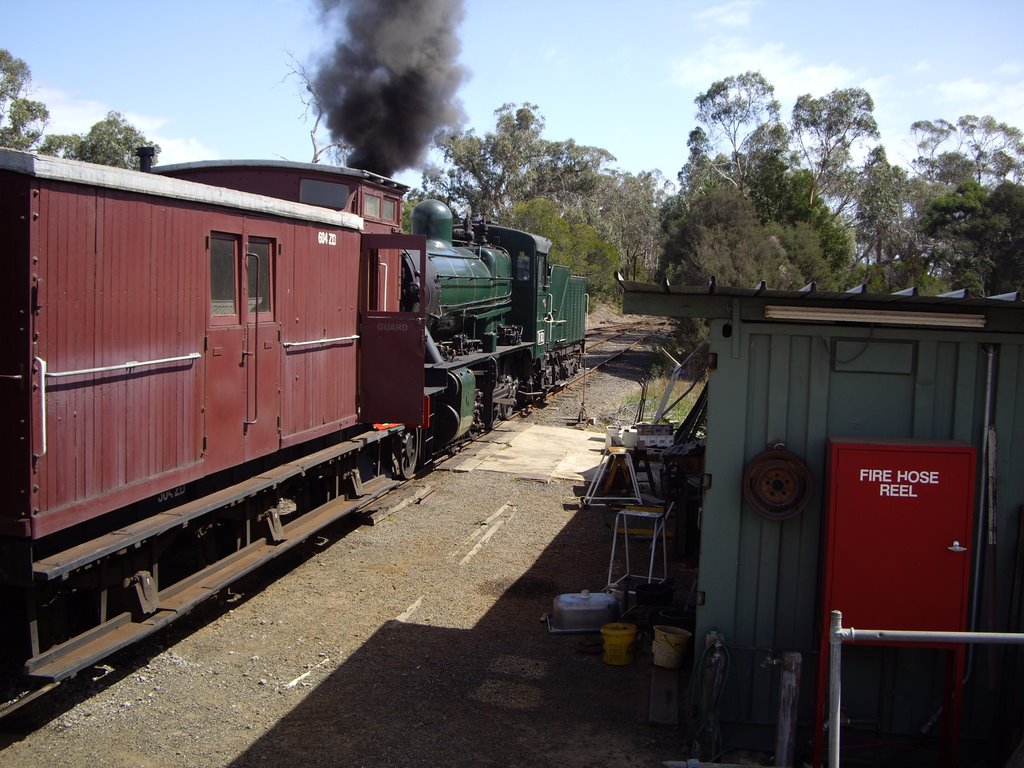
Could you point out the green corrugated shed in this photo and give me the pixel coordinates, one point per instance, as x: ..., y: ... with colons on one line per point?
x: 887, y: 374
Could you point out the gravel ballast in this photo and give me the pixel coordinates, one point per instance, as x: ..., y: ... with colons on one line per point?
x: 417, y: 641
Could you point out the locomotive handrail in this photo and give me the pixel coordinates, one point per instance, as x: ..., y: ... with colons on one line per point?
x: 319, y: 341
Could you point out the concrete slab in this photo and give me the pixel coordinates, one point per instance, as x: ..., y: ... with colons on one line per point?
x: 535, y: 452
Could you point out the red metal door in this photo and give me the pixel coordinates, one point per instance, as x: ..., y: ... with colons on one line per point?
x: 391, y: 344
x: 899, y: 534
x: 897, y: 551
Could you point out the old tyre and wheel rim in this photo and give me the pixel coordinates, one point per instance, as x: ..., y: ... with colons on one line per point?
x: 777, y: 484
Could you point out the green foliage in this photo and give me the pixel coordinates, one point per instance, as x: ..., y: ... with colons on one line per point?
x: 976, y: 148
x: 22, y: 120
x: 628, y: 209
x: 600, y: 220
x: 575, y: 244
x: 979, y: 237
x: 771, y: 231
x: 490, y: 174
x: 112, y: 141
x: 1006, y: 243
x: 826, y: 130
x: 720, y: 235
x: 741, y: 113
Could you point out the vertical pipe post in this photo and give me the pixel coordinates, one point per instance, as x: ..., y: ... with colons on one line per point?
x: 834, y: 686
x: 789, y: 696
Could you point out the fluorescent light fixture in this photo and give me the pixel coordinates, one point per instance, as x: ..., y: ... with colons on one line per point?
x: 841, y: 315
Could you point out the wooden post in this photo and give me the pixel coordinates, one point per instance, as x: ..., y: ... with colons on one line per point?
x: 789, y: 697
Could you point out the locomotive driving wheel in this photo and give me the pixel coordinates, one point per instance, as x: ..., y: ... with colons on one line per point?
x: 777, y: 484
x: 510, y: 386
x: 407, y: 453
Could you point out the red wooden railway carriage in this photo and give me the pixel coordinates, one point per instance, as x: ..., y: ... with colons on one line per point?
x: 187, y: 371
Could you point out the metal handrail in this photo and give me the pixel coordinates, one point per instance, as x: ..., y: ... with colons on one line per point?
x: 838, y: 634
x: 130, y: 365
x: 120, y: 367
x: 318, y: 341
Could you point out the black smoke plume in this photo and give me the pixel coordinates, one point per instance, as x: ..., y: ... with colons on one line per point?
x: 390, y: 83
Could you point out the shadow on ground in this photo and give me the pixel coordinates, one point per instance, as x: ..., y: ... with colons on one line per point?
x: 504, y: 693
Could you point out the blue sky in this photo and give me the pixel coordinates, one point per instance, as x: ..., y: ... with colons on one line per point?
x: 210, y: 78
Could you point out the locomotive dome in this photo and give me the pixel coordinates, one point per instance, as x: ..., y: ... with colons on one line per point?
x: 433, y: 219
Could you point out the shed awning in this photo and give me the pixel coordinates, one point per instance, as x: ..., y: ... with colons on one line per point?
x: 957, y: 309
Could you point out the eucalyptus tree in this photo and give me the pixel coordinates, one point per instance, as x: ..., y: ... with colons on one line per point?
x: 978, y: 237
x: 893, y: 251
x: 719, y: 235
x: 979, y: 148
x: 827, y: 130
x: 111, y: 141
x: 740, y: 121
x: 629, y: 218
x: 881, y: 210
x: 489, y: 174
x: 22, y: 119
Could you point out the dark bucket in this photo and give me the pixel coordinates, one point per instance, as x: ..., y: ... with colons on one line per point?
x: 672, y: 617
x: 654, y: 594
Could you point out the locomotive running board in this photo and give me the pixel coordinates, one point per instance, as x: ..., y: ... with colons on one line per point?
x: 70, y: 658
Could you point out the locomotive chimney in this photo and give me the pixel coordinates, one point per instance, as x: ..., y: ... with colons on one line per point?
x: 145, y: 155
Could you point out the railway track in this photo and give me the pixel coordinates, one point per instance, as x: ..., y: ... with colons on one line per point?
x: 626, y: 337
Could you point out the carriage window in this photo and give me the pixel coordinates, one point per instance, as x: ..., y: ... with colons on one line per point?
x: 258, y: 270
x: 389, y: 209
x: 329, y: 194
x: 223, y: 284
x: 371, y: 206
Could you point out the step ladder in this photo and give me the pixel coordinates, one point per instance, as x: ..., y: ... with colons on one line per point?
x: 645, y: 521
x: 616, y: 460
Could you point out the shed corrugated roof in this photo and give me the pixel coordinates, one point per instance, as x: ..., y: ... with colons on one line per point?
x: 808, y: 304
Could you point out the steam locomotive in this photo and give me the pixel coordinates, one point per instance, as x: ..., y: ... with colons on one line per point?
x: 204, y: 364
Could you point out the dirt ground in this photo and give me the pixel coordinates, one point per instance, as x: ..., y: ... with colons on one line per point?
x: 418, y: 641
